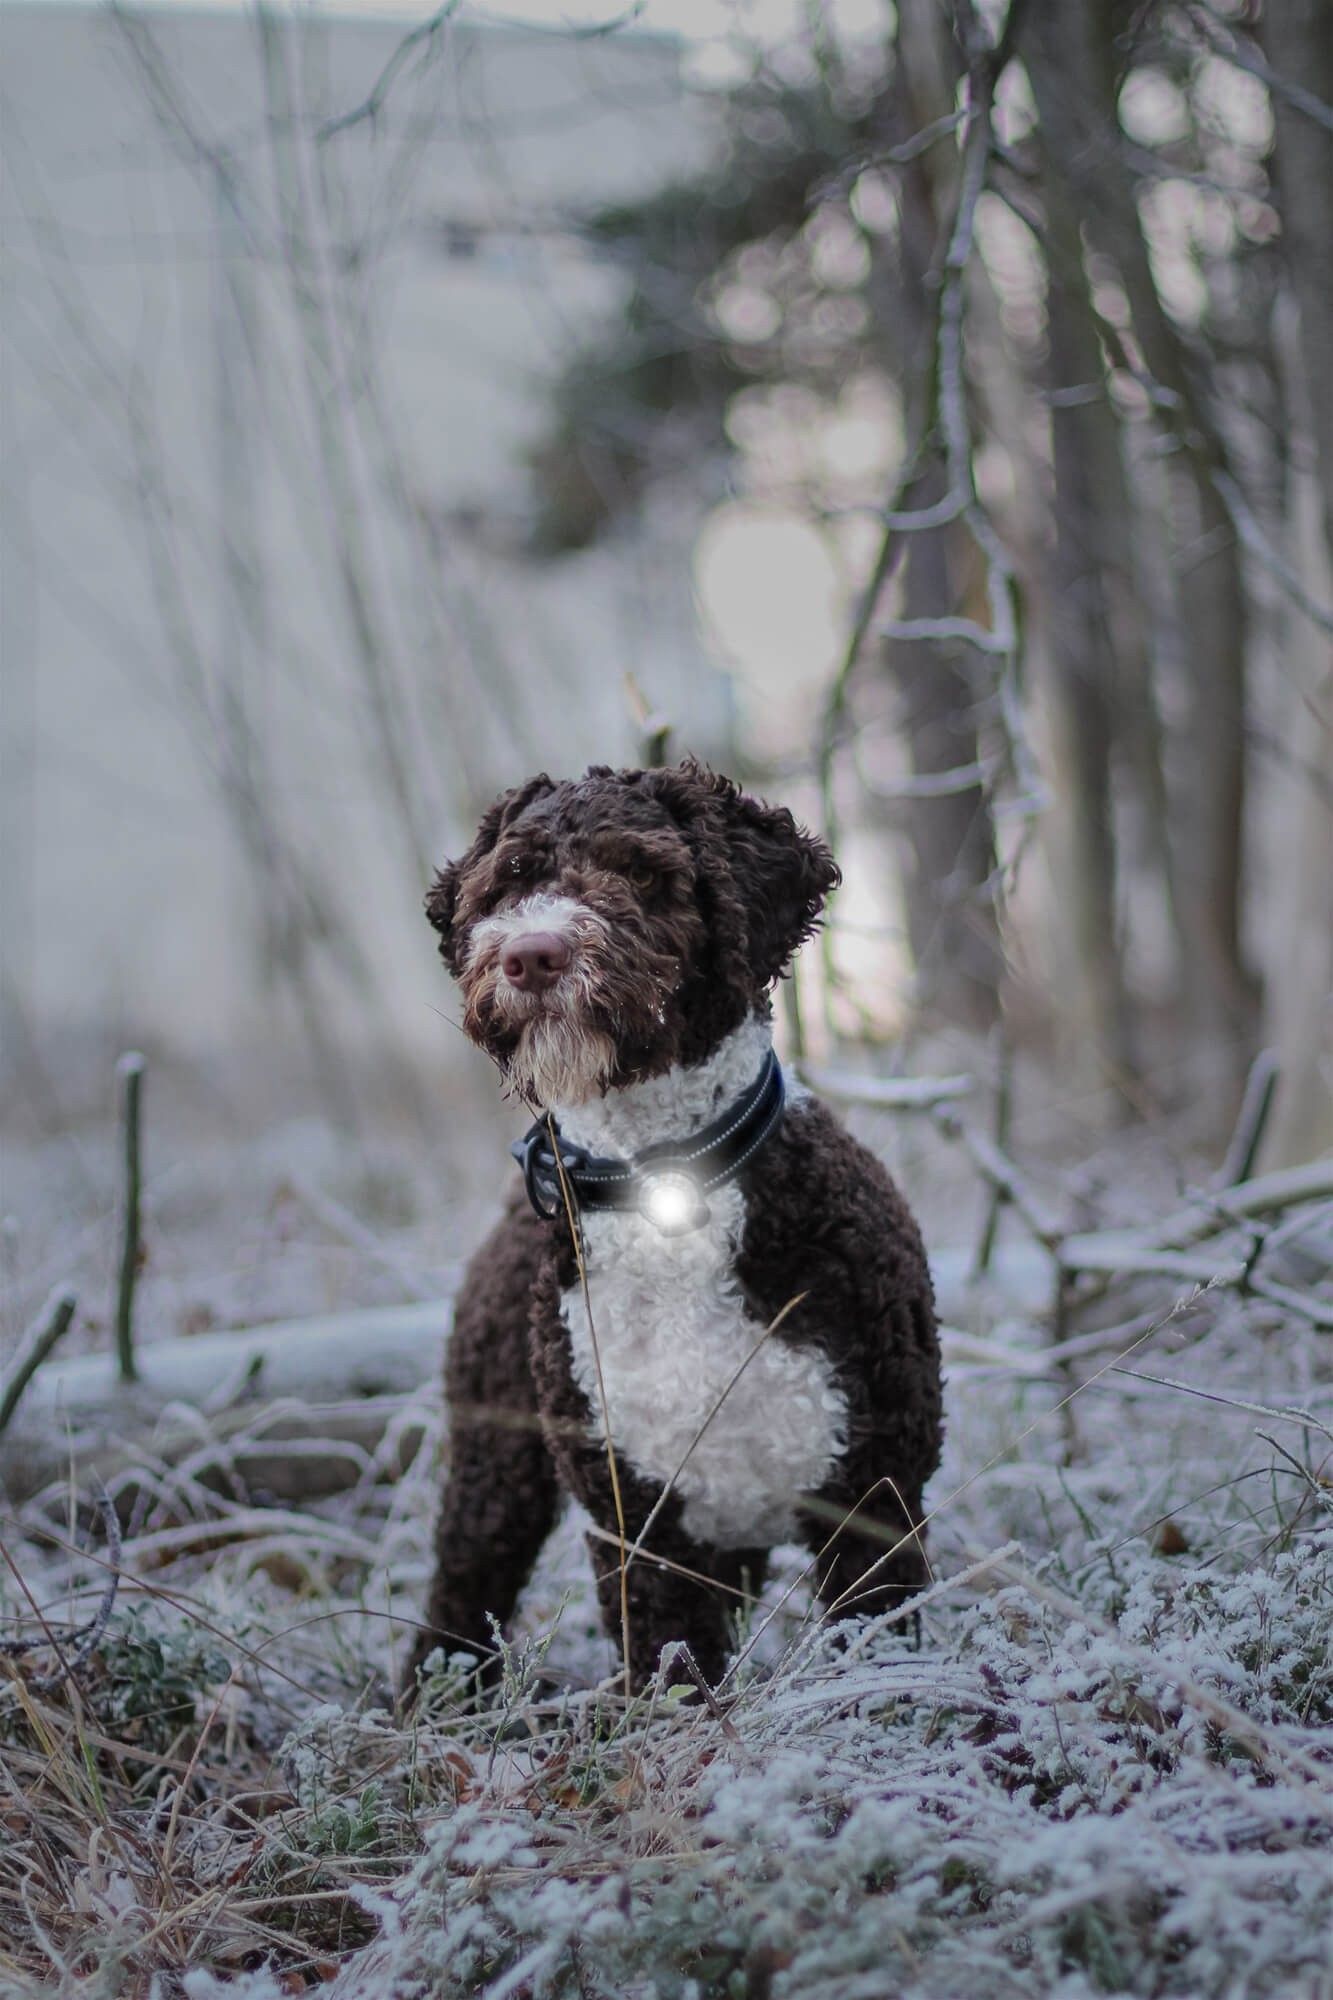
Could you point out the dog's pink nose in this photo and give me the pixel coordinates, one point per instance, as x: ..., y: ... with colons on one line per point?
x: 535, y: 960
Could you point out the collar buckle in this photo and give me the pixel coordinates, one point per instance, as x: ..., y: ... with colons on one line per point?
x: 541, y: 1176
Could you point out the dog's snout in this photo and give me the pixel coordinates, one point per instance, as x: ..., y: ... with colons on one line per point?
x: 535, y: 960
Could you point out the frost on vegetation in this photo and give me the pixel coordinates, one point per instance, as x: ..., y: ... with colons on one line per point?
x: 1042, y: 1802
x: 1107, y: 1771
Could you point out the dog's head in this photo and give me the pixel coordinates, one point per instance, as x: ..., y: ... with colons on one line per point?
x: 604, y: 929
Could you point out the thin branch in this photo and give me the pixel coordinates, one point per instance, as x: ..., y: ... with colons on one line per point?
x: 596, y: 31
x: 730, y: 1384
x: 999, y: 1196
x: 1223, y: 41
x: 917, y: 520
x: 86, y: 1637
x: 931, y: 784
x: 1304, y: 1304
x: 996, y: 1167
x: 370, y: 107
x: 1256, y: 542
x: 418, y: 1284
x: 681, y: 1652
x: 937, y: 629
x: 572, y: 1217
x: 1251, y: 1120
x: 50, y: 1326
x: 919, y: 143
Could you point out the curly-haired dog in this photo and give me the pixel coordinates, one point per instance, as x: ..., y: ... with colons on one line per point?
x: 762, y: 1333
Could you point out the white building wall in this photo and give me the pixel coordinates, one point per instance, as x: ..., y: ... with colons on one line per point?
x: 174, y: 541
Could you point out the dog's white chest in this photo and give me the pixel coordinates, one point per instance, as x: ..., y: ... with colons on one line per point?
x: 739, y: 1423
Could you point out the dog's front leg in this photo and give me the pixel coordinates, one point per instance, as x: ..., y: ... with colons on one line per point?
x: 682, y: 1592
x: 500, y: 1494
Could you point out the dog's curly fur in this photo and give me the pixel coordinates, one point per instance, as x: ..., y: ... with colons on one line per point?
x: 682, y: 900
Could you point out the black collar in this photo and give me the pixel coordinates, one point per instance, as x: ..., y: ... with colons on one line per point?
x: 666, y: 1181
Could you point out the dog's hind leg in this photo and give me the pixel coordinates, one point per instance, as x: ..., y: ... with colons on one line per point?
x: 500, y: 1497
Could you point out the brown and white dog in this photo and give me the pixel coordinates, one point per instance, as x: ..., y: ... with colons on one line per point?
x: 615, y: 940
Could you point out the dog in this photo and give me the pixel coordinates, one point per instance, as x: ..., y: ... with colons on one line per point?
x: 712, y: 1267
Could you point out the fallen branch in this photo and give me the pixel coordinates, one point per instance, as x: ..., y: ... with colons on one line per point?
x: 1119, y: 1256
x: 1304, y: 1304
x: 341, y: 1222
x: 886, y: 1093
x: 1207, y: 1216
x: 295, y: 1409
x: 1007, y: 1179
x: 1166, y: 1249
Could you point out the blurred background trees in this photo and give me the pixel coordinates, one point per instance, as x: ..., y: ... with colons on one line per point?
x: 1140, y: 199
x: 973, y: 368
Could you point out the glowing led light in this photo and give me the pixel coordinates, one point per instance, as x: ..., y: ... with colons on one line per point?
x: 672, y: 1203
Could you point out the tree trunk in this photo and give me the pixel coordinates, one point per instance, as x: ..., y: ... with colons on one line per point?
x: 1299, y: 35
x: 1083, y: 676
x: 949, y: 885
x: 950, y: 889
x: 1298, y: 1018
x: 1070, y: 55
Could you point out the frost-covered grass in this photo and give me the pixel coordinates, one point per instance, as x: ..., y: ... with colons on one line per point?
x: 1107, y: 1768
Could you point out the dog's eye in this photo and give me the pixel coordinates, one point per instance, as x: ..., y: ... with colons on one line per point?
x: 525, y: 864
x: 640, y: 877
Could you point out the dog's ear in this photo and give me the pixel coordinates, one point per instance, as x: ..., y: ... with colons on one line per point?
x: 784, y: 874
x: 770, y: 876
x: 442, y: 896
x: 441, y: 900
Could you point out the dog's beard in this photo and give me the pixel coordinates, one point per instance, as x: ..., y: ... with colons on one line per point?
x: 560, y: 1061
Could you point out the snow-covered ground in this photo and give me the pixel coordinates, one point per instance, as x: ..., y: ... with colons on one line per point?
x: 1106, y: 1769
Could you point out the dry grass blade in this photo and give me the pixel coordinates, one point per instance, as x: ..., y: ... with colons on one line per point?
x: 572, y: 1218
x: 727, y: 1388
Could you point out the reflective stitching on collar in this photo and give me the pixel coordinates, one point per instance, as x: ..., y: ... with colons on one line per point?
x: 590, y: 1176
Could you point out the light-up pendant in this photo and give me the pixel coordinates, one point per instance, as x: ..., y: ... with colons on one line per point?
x: 672, y: 1203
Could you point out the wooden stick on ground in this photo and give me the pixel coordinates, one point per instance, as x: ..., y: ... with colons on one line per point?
x: 50, y: 1326
x: 130, y: 1070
